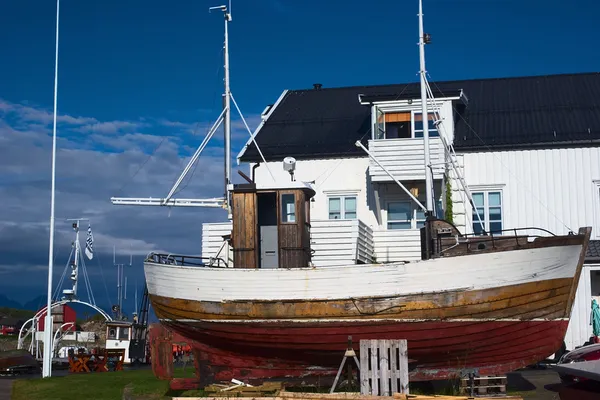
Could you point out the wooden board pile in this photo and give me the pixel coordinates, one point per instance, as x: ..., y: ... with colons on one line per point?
x: 275, y: 391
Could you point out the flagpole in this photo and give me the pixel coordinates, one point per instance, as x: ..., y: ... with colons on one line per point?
x: 47, y: 360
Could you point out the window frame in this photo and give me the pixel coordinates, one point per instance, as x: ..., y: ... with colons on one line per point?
x: 283, y: 211
x: 415, y: 221
x: 392, y: 221
x: 487, y: 221
x: 414, y: 130
x: 342, y: 198
x: 379, y: 131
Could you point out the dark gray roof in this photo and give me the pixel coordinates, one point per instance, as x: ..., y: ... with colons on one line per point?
x: 593, y: 252
x: 501, y: 113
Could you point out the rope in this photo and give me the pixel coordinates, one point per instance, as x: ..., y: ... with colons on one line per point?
x: 507, y: 168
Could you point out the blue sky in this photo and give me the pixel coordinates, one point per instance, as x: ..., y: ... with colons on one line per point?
x: 136, y: 74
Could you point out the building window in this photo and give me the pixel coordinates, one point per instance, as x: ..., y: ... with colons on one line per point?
x: 408, y: 215
x: 418, y: 125
x: 399, y: 215
x: 342, y: 207
x: 488, y: 205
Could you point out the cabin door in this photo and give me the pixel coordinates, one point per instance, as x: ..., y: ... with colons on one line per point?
x: 267, y: 227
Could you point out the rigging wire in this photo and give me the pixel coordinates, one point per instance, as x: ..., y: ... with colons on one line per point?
x: 506, y: 166
x: 104, y: 281
x: 195, y: 132
x: 62, y: 278
x: 153, y: 153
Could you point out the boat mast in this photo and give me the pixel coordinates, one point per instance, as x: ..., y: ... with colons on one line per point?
x: 47, y: 360
x: 227, y: 110
x: 424, y: 114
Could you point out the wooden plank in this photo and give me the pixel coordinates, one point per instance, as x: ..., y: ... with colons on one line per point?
x: 384, y: 367
x: 403, y: 366
x: 394, y: 371
x: 374, y: 365
x: 364, y: 367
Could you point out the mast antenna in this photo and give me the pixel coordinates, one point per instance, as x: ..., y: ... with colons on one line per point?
x: 225, y: 119
x: 226, y: 106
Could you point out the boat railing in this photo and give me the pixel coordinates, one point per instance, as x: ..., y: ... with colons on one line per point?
x: 482, y: 241
x: 186, y: 261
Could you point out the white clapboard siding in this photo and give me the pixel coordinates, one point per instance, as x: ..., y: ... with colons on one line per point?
x: 334, y: 242
x: 341, y: 242
x: 404, y: 158
x: 580, y: 330
x: 212, y: 239
x: 397, y: 245
x: 548, y: 188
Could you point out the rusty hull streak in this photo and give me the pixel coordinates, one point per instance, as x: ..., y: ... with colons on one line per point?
x: 500, y: 302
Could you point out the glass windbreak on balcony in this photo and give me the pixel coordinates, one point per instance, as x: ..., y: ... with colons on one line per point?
x: 401, y: 125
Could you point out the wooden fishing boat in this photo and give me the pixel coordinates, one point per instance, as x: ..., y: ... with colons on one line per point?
x: 490, y: 303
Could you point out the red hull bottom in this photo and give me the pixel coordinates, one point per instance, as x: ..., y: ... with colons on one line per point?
x: 436, y: 350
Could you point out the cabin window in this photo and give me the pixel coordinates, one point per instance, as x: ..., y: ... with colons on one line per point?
x: 288, y: 207
x: 112, y: 333
x: 124, y: 333
x: 488, y: 205
x: 342, y: 207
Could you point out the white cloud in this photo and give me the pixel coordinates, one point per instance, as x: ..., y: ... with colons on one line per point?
x: 90, y: 170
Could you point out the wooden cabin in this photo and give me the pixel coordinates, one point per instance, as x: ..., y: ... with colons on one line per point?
x: 271, y: 225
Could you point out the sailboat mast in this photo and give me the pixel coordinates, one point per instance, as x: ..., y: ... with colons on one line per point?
x: 424, y: 113
x: 227, y: 109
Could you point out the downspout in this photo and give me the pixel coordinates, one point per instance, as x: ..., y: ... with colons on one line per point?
x: 253, y: 173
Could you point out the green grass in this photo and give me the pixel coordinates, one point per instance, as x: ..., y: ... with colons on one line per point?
x: 100, y: 386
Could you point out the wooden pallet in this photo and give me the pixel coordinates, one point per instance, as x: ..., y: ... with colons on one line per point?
x: 484, y: 386
x: 383, y: 367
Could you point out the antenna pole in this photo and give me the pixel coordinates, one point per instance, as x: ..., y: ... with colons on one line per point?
x: 75, y: 274
x: 227, y: 109
x: 47, y: 361
x: 424, y: 113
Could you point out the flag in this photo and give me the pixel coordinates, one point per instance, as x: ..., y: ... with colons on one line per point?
x: 89, y: 243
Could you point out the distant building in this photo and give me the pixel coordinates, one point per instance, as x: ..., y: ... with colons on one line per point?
x: 62, y: 313
x: 10, y: 325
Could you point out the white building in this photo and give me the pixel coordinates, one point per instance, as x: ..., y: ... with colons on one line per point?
x: 528, y: 149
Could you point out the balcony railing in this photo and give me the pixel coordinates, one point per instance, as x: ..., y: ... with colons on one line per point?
x: 405, y: 159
